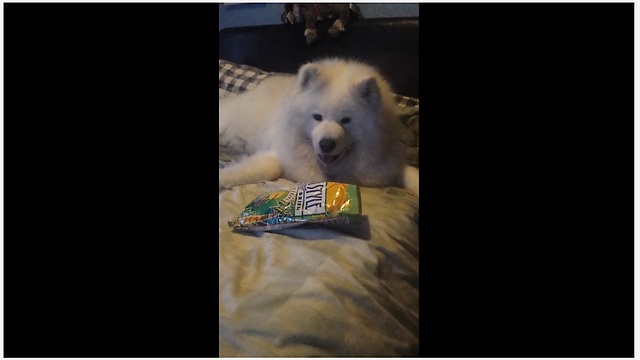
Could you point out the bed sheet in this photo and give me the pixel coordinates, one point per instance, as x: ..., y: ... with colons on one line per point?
x: 323, y: 291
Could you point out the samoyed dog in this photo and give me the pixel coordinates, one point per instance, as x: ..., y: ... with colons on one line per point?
x: 333, y: 121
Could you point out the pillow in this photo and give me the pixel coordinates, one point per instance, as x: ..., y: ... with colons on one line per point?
x: 238, y: 78
x: 234, y: 78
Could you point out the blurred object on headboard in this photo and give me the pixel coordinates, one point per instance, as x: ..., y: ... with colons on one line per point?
x: 390, y: 44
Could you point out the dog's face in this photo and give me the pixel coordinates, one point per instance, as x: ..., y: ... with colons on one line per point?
x: 336, y: 113
x: 331, y: 136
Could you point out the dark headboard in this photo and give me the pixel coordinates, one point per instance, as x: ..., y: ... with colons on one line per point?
x: 390, y: 44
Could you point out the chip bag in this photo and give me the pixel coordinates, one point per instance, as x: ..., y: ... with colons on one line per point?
x: 320, y: 202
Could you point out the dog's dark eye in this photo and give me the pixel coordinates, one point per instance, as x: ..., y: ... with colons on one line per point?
x: 345, y: 120
x: 317, y: 117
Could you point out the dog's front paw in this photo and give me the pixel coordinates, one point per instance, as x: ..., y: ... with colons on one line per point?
x: 412, y: 180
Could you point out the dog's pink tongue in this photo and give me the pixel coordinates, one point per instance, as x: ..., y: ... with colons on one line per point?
x: 327, y: 159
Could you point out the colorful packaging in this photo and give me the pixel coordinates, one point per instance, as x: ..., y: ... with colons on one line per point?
x: 299, y: 204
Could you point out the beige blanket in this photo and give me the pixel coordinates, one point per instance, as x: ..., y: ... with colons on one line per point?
x: 321, y: 291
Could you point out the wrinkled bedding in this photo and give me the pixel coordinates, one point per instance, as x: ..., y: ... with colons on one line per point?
x: 319, y: 290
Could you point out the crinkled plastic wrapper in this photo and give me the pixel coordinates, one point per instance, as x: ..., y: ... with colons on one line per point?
x: 320, y: 202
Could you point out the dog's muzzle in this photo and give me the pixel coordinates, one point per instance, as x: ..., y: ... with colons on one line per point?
x: 326, y: 146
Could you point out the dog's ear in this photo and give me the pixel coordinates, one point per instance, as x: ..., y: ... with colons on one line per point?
x: 308, y: 76
x: 368, y: 89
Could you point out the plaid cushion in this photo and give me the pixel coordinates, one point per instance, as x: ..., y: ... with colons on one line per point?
x: 234, y: 78
x: 406, y: 102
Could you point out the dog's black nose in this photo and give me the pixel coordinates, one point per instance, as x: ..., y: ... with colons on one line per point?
x: 327, y: 145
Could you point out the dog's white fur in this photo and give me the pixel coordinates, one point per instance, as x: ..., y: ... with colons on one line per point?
x: 277, y: 125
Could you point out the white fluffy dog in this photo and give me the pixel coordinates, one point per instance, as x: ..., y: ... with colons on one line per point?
x: 334, y: 121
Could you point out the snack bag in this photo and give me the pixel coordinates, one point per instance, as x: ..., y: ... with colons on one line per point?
x: 301, y: 203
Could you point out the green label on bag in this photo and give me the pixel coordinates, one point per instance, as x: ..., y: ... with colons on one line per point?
x: 305, y: 202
